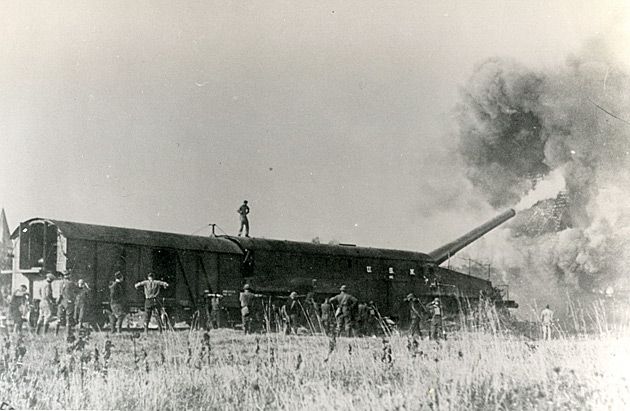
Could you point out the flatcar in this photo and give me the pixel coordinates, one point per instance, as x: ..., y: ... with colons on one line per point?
x: 197, y: 265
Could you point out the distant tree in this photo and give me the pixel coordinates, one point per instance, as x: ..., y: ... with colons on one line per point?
x: 333, y: 242
x: 316, y: 240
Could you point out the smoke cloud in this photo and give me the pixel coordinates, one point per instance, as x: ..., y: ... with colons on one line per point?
x: 526, y: 134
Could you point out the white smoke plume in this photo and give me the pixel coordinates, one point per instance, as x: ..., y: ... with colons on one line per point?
x: 524, y: 135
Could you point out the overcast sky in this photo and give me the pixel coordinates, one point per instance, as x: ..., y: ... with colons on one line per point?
x: 332, y: 118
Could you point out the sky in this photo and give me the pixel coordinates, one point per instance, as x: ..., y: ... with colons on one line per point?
x: 333, y: 119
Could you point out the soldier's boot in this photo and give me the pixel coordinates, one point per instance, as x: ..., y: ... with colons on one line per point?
x: 38, y: 330
x: 57, y: 328
x: 146, y: 328
x: 46, y: 326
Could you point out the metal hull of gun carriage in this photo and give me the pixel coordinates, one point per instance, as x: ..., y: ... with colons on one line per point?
x: 195, y: 265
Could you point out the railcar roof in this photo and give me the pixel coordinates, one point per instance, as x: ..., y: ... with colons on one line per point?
x: 111, y: 234
x: 221, y: 244
x: 333, y: 250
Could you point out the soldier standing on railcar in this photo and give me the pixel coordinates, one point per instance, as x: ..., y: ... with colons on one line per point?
x: 416, y: 313
x: 46, y: 304
x: 81, y: 302
x: 344, y: 314
x: 117, y: 303
x: 65, y: 304
x: 246, y: 299
x: 435, y: 308
x: 243, y: 210
x: 151, y: 302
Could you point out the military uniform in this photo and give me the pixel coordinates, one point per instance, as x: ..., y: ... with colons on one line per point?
x: 312, y: 311
x: 46, y: 304
x: 151, y: 302
x: 67, y: 294
x: 435, y: 308
x: 215, y: 313
x: 546, y: 319
x: 118, y: 305
x: 344, y: 314
x: 291, y: 311
x: 16, y: 307
x: 373, y: 324
x: 81, y: 303
x: 246, y: 299
x: 415, y: 313
x: 243, y: 210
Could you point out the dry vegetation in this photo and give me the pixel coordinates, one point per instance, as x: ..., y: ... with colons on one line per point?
x: 226, y: 370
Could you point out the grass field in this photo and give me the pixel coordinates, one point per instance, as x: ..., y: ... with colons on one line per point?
x: 181, y: 370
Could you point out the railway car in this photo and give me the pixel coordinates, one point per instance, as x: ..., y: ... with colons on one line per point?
x: 195, y: 266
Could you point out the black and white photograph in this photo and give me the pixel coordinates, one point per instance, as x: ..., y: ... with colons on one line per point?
x: 315, y: 205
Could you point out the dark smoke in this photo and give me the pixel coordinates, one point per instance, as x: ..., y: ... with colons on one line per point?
x: 502, y: 137
x: 517, y: 125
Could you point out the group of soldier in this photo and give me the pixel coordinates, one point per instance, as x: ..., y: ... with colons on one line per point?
x: 73, y: 304
x: 119, y: 306
x: 339, y: 315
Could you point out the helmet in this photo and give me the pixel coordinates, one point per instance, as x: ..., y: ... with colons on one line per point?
x: 50, y: 276
x: 118, y: 275
x: 246, y: 287
x: 293, y: 294
x: 342, y: 288
x: 410, y: 296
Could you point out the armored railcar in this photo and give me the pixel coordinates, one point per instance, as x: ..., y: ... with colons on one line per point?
x: 195, y: 266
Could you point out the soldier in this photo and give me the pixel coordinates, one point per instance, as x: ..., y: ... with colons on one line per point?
x: 372, y: 319
x: 81, y: 302
x: 416, y: 312
x: 65, y: 304
x: 291, y: 313
x: 247, y: 299
x: 46, y: 304
x: 346, y: 305
x: 327, y: 316
x: 117, y: 303
x: 215, y: 313
x: 243, y: 210
x: 151, y: 292
x: 19, y: 299
x: 546, y: 319
x: 435, y: 309
x: 362, y: 318
x: 312, y: 311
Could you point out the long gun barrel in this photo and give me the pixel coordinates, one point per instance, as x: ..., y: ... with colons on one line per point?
x: 443, y: 253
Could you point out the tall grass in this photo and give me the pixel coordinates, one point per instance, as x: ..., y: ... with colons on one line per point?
x: 482, y: 366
